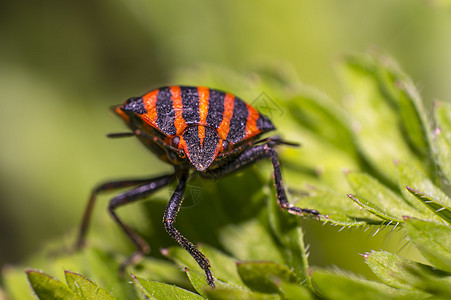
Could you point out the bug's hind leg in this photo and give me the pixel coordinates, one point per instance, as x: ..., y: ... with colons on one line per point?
x: 169, y: 218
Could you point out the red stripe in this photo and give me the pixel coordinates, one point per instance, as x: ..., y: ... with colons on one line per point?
x: 224, y: 127
x: 150, y: 103
x: 201, y: 134
x: 183, y: 146
x: 204, y: 97
x: 251, y: 122
x: 177, y: 105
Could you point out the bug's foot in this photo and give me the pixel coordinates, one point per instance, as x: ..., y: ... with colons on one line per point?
x: 210, y: 278
x: 294, y: 210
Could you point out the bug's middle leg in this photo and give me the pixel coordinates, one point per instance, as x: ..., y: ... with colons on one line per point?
x: 169, y: 218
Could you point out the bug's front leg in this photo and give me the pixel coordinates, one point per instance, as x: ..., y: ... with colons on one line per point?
x: 281, y: 196
x: 169, y: 218
x: 147, y: 187
x: 255, y: 154
x: 131, y: 196
x: 152, y: 185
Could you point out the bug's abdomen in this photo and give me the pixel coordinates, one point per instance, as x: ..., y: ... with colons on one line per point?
x: 172, y: 109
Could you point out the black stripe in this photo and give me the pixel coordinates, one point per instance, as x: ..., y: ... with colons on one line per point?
x: 201, y: 156
x: 264, y: 124
x: 165, y: 112
x: 191, y: 136
x: 215, y: 108
x: 135, y: 105
x: 238, y: 121
x: 190, y: 99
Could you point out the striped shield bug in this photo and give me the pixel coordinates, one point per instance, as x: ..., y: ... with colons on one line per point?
x: 195, y: 129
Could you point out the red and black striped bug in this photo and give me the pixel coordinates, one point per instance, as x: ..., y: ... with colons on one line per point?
x: 195, y: 129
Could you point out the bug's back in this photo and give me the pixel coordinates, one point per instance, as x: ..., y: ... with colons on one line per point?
x: 172, y: 109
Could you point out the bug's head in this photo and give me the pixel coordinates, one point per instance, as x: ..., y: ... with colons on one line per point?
x: 201, y: 144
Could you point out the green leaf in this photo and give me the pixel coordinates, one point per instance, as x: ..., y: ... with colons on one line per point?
x: 335, y: 208
x: 265, y: 277
x: 160, y: 270
x: 378, y: 198
x: 412, y: 177
x: 226, y: 290
x: 389, y: 268
x: 222, y: 265
x: 232, y: 294
x: 369, y: 206
x: 287, y: 231
x: 324, y: 118
x: 47, y: 287
x: 104, y: 268
x: 295, y: 291
x: 182, y: 258
x: 443, y: 137
x: 250, y: 240
x: 316, y: 163
x: 405, y: 274
x: 160, y: 291
x: 199, y: 282
x: 438, y: 206
x: 84, y: 288
x: 333, y: 285
x: 432, y: 240
x: 376, y: 118
x: 401, y: 92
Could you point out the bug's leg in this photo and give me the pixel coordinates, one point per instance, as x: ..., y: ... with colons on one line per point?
x: 127, y: 197
x: 107, y: 186
x: 152, y: 185
x: 169, y: 218
x: 270, y: 141
x: 281, y: 196
x: 276, y: 140
x: 252, y: 155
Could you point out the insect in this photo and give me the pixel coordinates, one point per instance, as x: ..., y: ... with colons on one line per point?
x: 195, y: 129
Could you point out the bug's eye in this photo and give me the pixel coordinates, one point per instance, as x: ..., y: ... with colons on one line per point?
x: 225, y: 145
x: 175, y: 141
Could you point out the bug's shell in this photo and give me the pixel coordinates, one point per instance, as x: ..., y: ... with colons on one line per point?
x: 198, y: 114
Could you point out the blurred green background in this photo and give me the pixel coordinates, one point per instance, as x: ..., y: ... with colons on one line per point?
x: 63, y: 63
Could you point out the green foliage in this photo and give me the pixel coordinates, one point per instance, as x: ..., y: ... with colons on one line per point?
x: 78, y: 287
x: 396, y: 161
x: 160, y: 290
